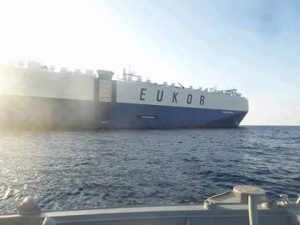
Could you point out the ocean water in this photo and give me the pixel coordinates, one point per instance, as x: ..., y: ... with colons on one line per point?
x: 67, y: 170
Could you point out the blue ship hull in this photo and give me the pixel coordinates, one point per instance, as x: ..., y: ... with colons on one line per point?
x: 124, y: 115
x: 36, y: 112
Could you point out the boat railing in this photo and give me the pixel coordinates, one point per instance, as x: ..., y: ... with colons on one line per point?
x: 243, y: 205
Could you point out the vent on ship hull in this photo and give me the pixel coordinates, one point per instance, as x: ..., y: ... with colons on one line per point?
x: 146, y: 117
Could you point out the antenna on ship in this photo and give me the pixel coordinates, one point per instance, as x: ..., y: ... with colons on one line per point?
x: 129, y: 67
x: 129, y: 75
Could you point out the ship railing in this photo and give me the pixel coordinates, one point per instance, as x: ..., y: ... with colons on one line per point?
x: 50, y: 68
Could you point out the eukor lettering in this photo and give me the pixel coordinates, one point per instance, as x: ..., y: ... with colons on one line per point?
x: 174, y: 100
x: 202, y: 100
x: 189, y: 98
x: 143, y: 93
x: 160, y: 96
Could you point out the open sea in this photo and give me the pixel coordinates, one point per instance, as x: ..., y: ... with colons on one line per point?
x: 67, y: 170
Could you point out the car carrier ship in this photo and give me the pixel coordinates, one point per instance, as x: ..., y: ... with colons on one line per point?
x: 37, y: 96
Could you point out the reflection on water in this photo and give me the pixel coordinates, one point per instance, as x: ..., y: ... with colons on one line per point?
x: 87, y: 169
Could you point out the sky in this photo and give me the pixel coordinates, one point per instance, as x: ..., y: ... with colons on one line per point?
x: 253, y: 46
